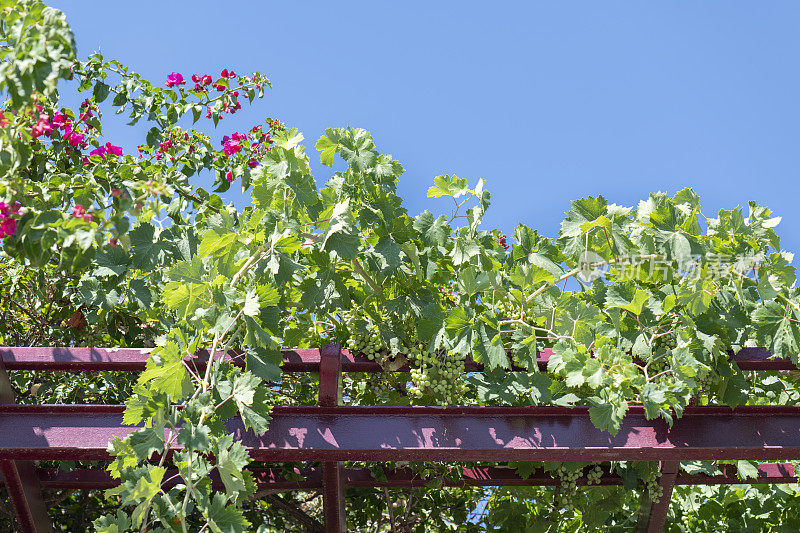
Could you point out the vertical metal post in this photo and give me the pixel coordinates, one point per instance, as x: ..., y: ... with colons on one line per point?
x: 333, y: 487
x: 21, y: 481
x: 657, y: 515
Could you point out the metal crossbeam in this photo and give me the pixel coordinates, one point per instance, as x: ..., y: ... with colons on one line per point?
x: 81, y: 432
x: 299, y: 360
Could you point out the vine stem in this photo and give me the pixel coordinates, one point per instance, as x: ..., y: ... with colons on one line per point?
x: 167, y: 446
x: 390, y: 508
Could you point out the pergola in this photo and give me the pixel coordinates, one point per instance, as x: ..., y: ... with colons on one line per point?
x: 332, y: 433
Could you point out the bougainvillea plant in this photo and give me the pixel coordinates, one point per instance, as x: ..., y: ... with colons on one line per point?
x: 104, y: 246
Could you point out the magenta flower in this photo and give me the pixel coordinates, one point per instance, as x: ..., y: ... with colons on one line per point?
x: 224, y: 73
x: 231, y: 147
x: 174, y: 79
x: 8, y: 227
x: 206, y: 80
x: 159, y: 155
x: 76, y: 139
x: 238, y: 137
x: 79, y: 212
x: 60, y: 121
x: 231, y: 74
x: 195, y: 78
x: 8, y: 210
x: 219, y: 87
x: 114, y: 150
x: 100, y: 150
x: 42, y: 126
x: 252, y: 163
x: 229, y: 176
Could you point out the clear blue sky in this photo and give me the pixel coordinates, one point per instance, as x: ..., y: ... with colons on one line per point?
x: 548, y: 101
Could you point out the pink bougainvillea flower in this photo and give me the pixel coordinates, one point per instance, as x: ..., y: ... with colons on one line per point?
x: 113, y: 150
x: 100, y: 150
x: 236, y: 136
x: 116, y: 192
x: 85, y: 161
x: 503, y: 242
x: 232, y: 74
x: 208, y: 112
x: 76, y: 139
x: 225, y: 139
x: 195, y: 78
x: 206, y: 80
x: 159, y: 155
x: 60, y: 121
x: 8, y: 227
x: 219, y: 87
x: 42, y: 126
x: 231, y: 147
x: 229, y: 176
x: 174, y: 79
x: 79, y: 212
x: 224, y: 73
x: 3, y: 121
x: 252, y: 163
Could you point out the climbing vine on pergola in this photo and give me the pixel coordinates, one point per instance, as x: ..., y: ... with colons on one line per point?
x: 644, y: 348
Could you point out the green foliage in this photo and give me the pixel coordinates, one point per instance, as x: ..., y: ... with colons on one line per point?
x: 638, y: 305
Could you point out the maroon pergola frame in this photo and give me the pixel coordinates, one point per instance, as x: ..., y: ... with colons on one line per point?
x: 332, y: 433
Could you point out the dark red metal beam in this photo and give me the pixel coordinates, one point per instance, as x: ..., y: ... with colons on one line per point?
x: 657, y: 515
x: 20, y: 478
x: 26, y: 496
x: 768, y: 473
x: 434, y: 434
x: 299, y: 360
x: 333, y: 488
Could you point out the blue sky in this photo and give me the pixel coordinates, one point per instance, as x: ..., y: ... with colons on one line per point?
x: 547, y: 101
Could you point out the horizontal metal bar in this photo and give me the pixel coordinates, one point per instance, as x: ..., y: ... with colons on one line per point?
x: 299, y: 360
x: 434, y: 434
x: 480, y: 476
